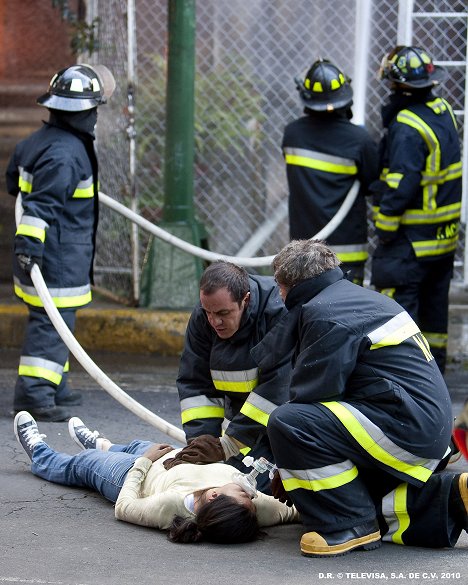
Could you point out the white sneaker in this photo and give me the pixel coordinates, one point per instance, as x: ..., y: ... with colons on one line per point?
x: 80, y: 433
x: 26, y: 432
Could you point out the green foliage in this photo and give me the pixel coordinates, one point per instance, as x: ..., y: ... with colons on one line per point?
x: 84, y: 36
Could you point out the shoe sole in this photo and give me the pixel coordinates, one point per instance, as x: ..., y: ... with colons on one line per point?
x: 368, y: 542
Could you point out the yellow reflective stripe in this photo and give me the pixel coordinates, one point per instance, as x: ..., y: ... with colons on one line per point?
x: 388, y: 292
x: 326, y: 483
x: 38, y: 372
x: 31, y: 231
x: 66, y: 367
x: 423, y: 345
x: 24, y: 186
x: 59, y: 302
x: 393, y: 179
x: 255, y: 413
x: 226, y: 386
x: 388, y: 223
x: 245, y: 450
x: 438, y: 215
x: 453, y: 171
x: 236, y: 380
x: 393, y: 332
x: 202, y: 412
x: 352, y: 256
x: 401, y: 512
x: 436, y: 339
x: 369, y: 444
x: 435, y: 247
x: 319, y: 161
x: 84, y: 189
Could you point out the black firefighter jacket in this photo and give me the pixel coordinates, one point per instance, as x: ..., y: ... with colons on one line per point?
x: 56, y: 173
x: 219, y: 382
x: 358, y: 347
x: 324, y: 155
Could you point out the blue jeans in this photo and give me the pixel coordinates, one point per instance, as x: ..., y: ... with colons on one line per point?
x: 102, y: 471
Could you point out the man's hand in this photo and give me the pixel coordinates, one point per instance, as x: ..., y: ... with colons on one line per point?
x: 157, y: 450
x: 278, y: 491
x: 27, y: 262
x: 202, y: 449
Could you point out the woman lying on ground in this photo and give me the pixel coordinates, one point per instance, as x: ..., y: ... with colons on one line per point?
x: 192, y: 502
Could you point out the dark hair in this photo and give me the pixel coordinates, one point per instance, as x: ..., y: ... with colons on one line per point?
x: 223, y: 521
x: 223, y: 274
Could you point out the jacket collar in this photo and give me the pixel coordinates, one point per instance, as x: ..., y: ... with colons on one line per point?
x: 309, y: 288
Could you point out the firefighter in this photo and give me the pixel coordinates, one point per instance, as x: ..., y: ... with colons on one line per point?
x: 325, y: 154
x: 418, y: 197
x: 56, y: 172
x: 366, y: 400
x: 226, y: 395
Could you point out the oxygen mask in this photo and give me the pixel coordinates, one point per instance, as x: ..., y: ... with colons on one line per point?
x: 248, y: 481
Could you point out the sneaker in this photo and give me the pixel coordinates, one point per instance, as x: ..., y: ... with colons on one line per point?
x: 460, y: 431
x: 80, y: 433
x: 365, y: 537
x: 458, y: 504
x: 26, y: 432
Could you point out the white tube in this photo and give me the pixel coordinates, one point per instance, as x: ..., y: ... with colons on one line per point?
x: 361, y: 57
x: 83, y: 358
x: 211, y: 256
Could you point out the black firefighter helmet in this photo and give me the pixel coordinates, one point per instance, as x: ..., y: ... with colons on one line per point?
x: 411, y: 67
x: 325, y: 87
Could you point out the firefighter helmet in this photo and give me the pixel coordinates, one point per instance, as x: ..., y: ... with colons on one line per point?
x: 325, y: 88
x: 411, y: 67
x: 75, y: 89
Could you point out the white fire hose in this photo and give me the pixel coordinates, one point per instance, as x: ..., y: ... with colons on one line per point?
x: 83, y: 358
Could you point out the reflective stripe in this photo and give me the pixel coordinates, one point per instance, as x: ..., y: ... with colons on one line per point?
x: 32, y: 227
x: 373, y: 440
x: 441, y: 214
x: 40, y: 368
x: 322, y: 478
x: 394, y: 331
x: 388, y: 292
x: 453, y: 171
x: 25, y: 180
x: 258, y: 408
x: 321, y: 162
x: 201, y: 407
x: 63, y: 298
x: 439, y: 340
x: 351, y: 252
x: 235, y: 381
x: 388, y: 223
x: 84, y: 189
x: 393, y: 179
x: 435, y: 247
x: 395, y: 513
x: 66, y: 367
x: 224, y: 425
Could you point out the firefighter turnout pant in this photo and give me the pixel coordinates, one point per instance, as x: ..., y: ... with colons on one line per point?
x: 42, y: 372
x: 336, y: 484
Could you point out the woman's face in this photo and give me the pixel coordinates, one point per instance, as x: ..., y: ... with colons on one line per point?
x: 232, y: 490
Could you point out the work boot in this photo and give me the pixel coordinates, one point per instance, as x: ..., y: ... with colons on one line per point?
x: 458, y: 503
x: 365, y: 536
x: 82, y: 436
x: 49, y: 413
x: 70, y: 399
x: 460, y: 431
x: 26, y: 432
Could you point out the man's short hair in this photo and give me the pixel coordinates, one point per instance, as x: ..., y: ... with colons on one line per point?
x: 302, y: 259
x: 221, y: 274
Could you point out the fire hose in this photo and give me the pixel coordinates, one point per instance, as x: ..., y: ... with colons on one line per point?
x: 83, y: 358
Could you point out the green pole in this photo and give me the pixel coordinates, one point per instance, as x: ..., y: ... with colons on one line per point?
x: 180, y: 98
x: 170, y: 276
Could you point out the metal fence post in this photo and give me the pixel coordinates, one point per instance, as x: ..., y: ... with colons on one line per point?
x: 170, y: 276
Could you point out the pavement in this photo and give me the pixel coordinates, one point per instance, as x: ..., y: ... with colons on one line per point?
x: 55, y: 535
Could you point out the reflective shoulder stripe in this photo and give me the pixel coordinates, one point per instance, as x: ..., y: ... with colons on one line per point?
x: 197, y: 407
x: 393, y: 332
x: 373, y: 440
x: 40, y: 368
x: 395, y: 513
x: 63, y: 298
x: 25, y: 180
x: 84, y: 189
x: 322, y: 478
x: 258, y: 408
x: 33, y: 227
x: 235, y: 381
x: 318, y: 160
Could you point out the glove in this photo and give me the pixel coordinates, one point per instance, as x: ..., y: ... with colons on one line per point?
x: 157, y: 450
x: 278, y: 491
x: 27, y: 262
x: 202, y: 449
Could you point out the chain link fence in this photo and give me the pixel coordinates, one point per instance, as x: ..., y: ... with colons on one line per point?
x: 247, y: 55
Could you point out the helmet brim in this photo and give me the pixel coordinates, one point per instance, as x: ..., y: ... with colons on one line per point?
x: 56, y: 102
x: 435, y: 78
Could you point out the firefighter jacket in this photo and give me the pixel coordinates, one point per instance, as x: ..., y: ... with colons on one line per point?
x: 325, y: 154
x: 56, y: 173
x: 360, y: 355
x: 419, y: 196
x: 221, y: 387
